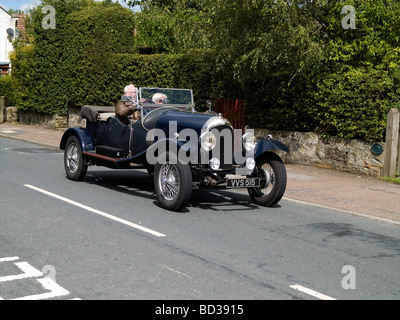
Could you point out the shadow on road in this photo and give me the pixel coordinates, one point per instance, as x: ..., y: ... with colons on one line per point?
x: 138, y: 183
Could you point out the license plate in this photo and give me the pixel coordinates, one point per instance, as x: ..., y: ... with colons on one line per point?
x: 243, y: 183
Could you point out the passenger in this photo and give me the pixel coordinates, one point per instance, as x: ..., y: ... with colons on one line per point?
x: 159, y: 98
x: 126, y: 109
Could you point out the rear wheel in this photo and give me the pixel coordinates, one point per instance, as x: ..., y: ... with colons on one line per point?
x: 74, y: 165
x: 271, y: 168
x: 173, y: 184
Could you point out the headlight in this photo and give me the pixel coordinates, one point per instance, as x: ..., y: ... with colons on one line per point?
x: 250, y: 163
x: 249, y: 141
x: 214, y: 163
x: 208, y: 140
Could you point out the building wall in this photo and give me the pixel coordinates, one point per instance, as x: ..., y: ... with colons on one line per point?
x: 6, y: 21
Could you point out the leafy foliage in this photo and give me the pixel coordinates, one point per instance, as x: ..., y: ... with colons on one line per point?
x: 88, y: 59
x: 95, y: 34
x: 172, y: 26
x: 195, y: 70
x: 7, y: 88
x: 70, y: 63
x: 300, y: 70
x: 360, y: 78
x: 292, y: 61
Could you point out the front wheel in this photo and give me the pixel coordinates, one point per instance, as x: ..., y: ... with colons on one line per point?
x: 271, y: 168
x: 74, y: 165
x: 173, y: 185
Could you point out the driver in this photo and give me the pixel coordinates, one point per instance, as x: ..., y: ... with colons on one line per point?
x: 125, y: 109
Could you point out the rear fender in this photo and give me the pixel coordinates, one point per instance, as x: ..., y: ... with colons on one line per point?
x: 83, y: 136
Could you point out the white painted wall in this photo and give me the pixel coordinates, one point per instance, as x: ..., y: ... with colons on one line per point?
x: 5, y: 45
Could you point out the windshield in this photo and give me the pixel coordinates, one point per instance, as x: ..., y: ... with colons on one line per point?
x: 160, y: 97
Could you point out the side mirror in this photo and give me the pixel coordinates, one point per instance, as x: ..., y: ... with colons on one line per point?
x: 208, y: 103
x: 210, y: 111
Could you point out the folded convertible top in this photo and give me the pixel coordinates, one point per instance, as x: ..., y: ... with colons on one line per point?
x: 91, y: 113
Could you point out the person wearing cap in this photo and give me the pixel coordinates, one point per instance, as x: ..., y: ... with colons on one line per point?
x: 126, y: 109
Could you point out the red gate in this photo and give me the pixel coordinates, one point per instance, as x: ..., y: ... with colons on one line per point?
x: 233, y: 110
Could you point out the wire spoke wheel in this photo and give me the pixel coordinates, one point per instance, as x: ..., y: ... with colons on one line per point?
x: 172, y: 184
x: 269, y: 173
x: 75, y: 168
x: 169, y: 181
x: 72, y: 159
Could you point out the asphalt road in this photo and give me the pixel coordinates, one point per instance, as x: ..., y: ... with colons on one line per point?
x: 107, y: 238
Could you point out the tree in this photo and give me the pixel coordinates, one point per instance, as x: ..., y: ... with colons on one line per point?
x: 299, y: 69
x: 172, y: 26
x: 272, y: 50
x: 360, y: 78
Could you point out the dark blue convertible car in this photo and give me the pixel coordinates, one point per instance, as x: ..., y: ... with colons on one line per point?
x: 181, y: 149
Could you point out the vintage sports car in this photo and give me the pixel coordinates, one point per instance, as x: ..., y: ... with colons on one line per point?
x: 181, y: 149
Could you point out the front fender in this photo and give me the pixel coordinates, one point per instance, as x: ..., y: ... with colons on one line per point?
x: 267, y: 145
x: 83, y: 136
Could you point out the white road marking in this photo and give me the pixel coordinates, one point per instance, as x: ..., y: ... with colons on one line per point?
x: 48, y: 284
x: 28, y: 272
x: 7, y: 131
x: 8, y: 259
x: 311, y: 292
x: 176, y: 271
x: 353, y: 213
x: 101, y: 213
x: 31, y: 272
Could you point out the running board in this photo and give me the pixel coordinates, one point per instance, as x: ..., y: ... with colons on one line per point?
x: 93, y: 154
x: 114, y: 163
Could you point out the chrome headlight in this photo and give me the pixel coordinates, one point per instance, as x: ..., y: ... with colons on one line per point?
x: 249, y: 141
x: 214, y: 163
x: 208, y: 140
x: 250, y: 163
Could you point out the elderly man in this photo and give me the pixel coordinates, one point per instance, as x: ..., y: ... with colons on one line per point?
x: 124, y: 109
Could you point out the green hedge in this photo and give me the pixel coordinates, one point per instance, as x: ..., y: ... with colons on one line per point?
x: 71, y: 63
x: 350, y: 89
x: 88, y: 59
x: 355, y: 103
x: 8, y: 89
x: 349, y: 103
x: 195, y: 70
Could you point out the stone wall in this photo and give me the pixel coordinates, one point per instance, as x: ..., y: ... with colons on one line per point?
x: 311, y: 149
x: 51, y: 121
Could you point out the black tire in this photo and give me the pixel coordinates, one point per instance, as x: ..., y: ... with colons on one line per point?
x: 173, y: 184
x: 74, y: 165
x: 272, y: 168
